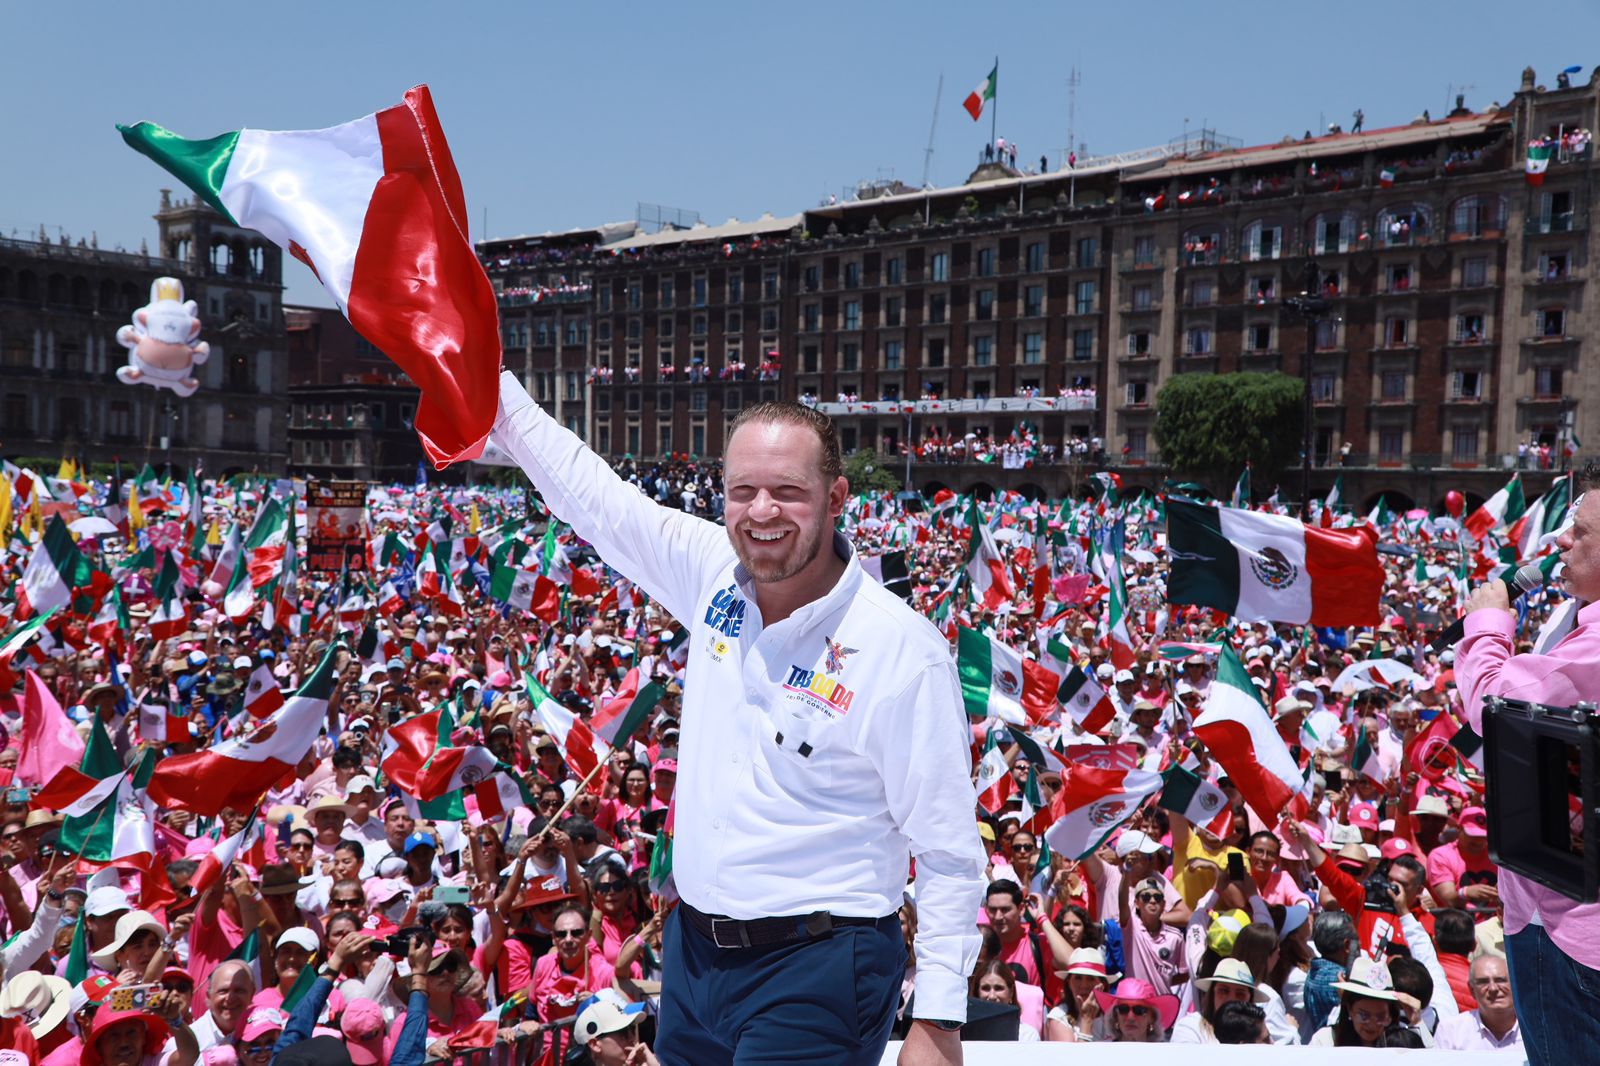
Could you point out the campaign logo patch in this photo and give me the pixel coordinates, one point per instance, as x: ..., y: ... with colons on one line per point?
x: 726, y: 611
x: 837, y: 653
x: 817, y: 686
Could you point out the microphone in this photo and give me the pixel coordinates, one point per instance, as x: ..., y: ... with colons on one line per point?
x: 1524, y: 581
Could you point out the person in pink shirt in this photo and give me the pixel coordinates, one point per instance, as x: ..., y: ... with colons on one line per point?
x: 620, y: 910
x: 1493, y: 1026
x: 448, y: 1013
x: 1460, y: 873
x: 1003, y: 904
x: 1273, y: 885
x: 572, y: 971
x: 228, y: 912
x: 1552, y: 942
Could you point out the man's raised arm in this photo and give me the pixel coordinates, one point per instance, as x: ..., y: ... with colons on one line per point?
x: 668, y: 553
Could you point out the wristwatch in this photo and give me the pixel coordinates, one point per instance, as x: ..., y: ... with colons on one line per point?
x: 944, y: 1023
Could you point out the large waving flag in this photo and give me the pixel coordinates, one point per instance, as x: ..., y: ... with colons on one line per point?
x: 56, y: 568
x: 238, y: 771
x: 625, y: 712
x: 1235, y: 727
x: 997, y: 682
x: 582, y: 749
x: 991, y: 585
x: 48, y: 739
x: 1272, y: 568
x: 1503, y: 508
x: 1092, y: 803
x: 375, y: 208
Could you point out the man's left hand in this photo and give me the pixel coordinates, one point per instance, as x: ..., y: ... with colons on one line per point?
x: 928, y: 1045
x: 1489, y: 594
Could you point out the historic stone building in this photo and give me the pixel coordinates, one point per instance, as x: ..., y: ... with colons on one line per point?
x: 61, y: 304
x: 1448, y: 348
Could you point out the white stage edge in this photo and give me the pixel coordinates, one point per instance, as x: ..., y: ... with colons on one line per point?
x: 1009, y: 1054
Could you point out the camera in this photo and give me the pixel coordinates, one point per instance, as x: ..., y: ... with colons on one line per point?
x: 399, y: 945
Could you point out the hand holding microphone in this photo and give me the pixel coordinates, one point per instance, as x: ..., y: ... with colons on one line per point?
x: 1491, y: 594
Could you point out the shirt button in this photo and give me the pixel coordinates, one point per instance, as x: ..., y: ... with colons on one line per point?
x: 735, y: 756
x: 750, y: 694
x: 716, y: 823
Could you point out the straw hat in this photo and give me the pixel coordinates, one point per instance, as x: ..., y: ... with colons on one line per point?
x: 1232, y: 972
x: 128, y: 926
x: 41, y: 1000
x: 1090, y: 962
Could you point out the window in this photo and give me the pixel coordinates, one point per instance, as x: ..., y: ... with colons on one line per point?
x: 572, y: 384
x: 635, y: 295
x: 893, y: 268
x: 1033, y: 347
x: 603, y: 330
x: 983, y: 351
x: 769, y: 285
x: 892, y: 310
x: 697, y: 437
x: 811, y: 317
x: 985, y: 306
x: 981, y: 388
x: 1137, y: 447
x: 1469, y: 329
x: 1555, y: 212
x: 1198, y: 341
x: 935, y: 356
x: 1143, y: 298
x: 808, y: 359
x: 1144, y: 251
x: 735, y: 288
x: 1547, y: 382
x: 1464, y: 444
x: 735, y: 323
x: 1394, y: 331
x: 634, y: 401
x: 850, y: 357
x: 1033, y: 300
x: 1138, y: 342
x: 605, y: 297
x: 1262, y: 241
x: 1475, y: 216
x: 700, y: 290
x: 892, y: 355
x: 852, y: 275
x: 1264, y: 289
x: 986, y: 257
x: 1474, y: 272
x: 1392, y: 385
x: 1138, y: 393
x: 666, y: 292
x: 665, y: 437
x: 1391, y: 444
x: 1327, y: 334
x: 635, y: 329
x: 1082, y: 344
x: 1033, y: 257
x: 634, y: 447
x: 1399, y: 276
x: 697, y: 400
x: 769, y: 319
x: 1554, y: 266
x: 1466, y: 385
x: 664, y: 329
x: 936, y: 308
x: 1260, y: 337
x: 1088, y: 251
x: 852, y: 314
x: 1202, y: 292
x: 1323, y: 388
x: 1084, y: 304
x: 811, y: 278
x: 1402, y: 226
x: 1333, y: 233
x: 1551, y: 321
x: 939, y: 266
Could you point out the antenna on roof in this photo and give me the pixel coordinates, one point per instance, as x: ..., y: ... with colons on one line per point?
x: 933, y: 126
x: 1072, y: 114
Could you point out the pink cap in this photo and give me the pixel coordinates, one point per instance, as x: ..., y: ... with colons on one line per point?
x: 1396, y: 847
x: 261, y: 1021
x: 1474, y: 822
x: 669, y: 766
x: 500, y: 679
x: 221, y: 1055
x: 363, y: 1027
x: 1363, y: 816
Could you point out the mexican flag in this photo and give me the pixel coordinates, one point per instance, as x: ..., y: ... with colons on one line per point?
x: 1117, y: 637
x: 1237, y: 729
x: 991, y: 584
x: 473, y: 769
x: 375, y: 208
x: 1241, y: 490
x: 236, y: 772
x: 1086, y: 701
x: 1092, y: 803
x: 54, y: 570
x: 1202, y: 803
x: 582, y: 749
x: 106, y: 823
x: 619, y: 717
x: 997, y: 682
x: 526, y: 590
x: 1538, y: 161
x: 1503, y: 508
x: 1364, y: 757
x: 983, y: 93
x: 994, y: 773
x: 1273, y: 568
x: 407, y: 747
x: 249, y: 953
x: 164, y: 723
x: 216, y: 863
x: 262, y: 696
x: 171, y: 614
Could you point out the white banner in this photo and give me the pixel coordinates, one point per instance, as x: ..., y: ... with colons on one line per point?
x: 1011, y: 1054
x: 943, y: 407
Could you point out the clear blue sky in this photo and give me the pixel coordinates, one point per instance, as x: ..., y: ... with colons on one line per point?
x: 568, y: 115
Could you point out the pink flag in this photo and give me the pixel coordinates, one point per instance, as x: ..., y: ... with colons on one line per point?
x: 49, y: 741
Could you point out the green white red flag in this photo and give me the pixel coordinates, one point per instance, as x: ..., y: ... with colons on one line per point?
x: 997, y: 682
x: 621, y: 716
x: 1092, y: 803
x: 1235, y: 727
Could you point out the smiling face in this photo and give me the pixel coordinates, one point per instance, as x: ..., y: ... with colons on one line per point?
x: 122, y: 1044
x: 780, y: 507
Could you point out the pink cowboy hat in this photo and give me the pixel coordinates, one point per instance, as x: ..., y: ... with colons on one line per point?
x: 1132, y: 992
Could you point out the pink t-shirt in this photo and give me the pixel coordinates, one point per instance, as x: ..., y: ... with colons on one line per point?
x: 1021, y: 953
x: 1154, y: 958
x: 1282, y: 890
x: 463, y: 1012
x: 210, y: 943
x: 1446, y: 863
x: 556, y: 993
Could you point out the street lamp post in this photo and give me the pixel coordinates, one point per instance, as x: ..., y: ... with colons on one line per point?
x: 1311, y: 307
x: 908, y: 412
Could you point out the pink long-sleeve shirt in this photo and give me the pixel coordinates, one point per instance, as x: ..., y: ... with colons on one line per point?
x: 1569, y: 673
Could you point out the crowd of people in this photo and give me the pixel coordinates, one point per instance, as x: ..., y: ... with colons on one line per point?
x: 355, y: 913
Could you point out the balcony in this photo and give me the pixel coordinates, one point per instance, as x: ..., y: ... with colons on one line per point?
x: 1568, y: 222
x: 565, y: 294
x: 1130, y: 307
x: 1129, y: 262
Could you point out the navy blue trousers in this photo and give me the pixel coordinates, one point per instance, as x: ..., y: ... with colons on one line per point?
x: 824, y: 1002
x: 1558, y: 1000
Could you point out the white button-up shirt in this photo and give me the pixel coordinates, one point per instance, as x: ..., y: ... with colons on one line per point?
x: 818, y: 754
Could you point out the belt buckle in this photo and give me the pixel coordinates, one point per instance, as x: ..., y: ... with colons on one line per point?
x: 741, y: 940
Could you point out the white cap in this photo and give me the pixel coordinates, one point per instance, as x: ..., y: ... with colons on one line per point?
x: 1133, y: 840
x: 300, y: 936
x: 1105, y: 670
x: 1124, y: 675
x: 107, y: 899
x: 359, y: 783
x: 244, y: 662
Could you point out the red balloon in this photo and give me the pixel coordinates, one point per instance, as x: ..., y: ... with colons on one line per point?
x: 1455, y: 503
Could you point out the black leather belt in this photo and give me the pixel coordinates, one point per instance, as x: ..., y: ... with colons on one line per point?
x: 766, y: 932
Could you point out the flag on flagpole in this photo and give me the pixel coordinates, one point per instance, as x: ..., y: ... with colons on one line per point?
x: 1202, y: 803
x: 1092, y: 803
x: 1235, y: 727
x: 375, y: 208
x: 1083, y: 698
x: 978, y: 97
x: 997, y: 682
x: 621, y: 716
x: 991, y: 584
x: 1503, y: 508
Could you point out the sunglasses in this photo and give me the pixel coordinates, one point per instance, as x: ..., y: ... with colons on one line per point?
x: 611, y: 888
x: 348, y: 901
x: 259, y: 1047
x: 1136, y: 1010
x: 569, y: 934
x: 1151, y: 897
x: 1024, y: 849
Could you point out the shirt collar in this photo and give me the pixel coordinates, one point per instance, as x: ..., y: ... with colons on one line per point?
x: 844, y: 589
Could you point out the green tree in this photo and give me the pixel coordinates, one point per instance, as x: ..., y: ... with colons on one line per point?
x: 866, y: 472
x: 1209, y: 425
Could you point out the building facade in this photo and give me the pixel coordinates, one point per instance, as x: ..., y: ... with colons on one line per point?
x: 61, y: 304
x: 1448, y: 352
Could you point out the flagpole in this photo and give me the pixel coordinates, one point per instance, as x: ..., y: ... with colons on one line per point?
x: 994, y: 111
x: 556, y: 817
